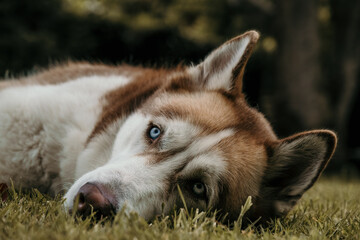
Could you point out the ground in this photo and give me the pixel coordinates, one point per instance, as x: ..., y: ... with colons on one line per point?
x: 330, y: 210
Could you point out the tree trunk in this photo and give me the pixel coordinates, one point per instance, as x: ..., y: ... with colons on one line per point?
x: 346, y: 22
x: 300, y: 103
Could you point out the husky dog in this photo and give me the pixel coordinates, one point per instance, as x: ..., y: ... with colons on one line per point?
x: 115, y: 136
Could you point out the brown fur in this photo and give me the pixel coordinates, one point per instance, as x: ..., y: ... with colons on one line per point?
x: 213, y: 112
x: 67, y: 72
x: 175, y: 93
x: 124, y: 100
x: 238, y: 71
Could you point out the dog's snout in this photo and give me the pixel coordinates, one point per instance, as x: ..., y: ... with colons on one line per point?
x: 96, y: 198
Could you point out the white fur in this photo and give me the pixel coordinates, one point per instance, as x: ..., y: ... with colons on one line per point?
x: 43, y: 129
x: 230, y: 55
x: 137, y: 182
x: 46, y: 130
x: 213, y: 167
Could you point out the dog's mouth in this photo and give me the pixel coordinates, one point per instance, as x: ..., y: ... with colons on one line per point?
x: 94, y: 199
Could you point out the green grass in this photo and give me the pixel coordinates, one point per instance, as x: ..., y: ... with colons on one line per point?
x: 330, y: 210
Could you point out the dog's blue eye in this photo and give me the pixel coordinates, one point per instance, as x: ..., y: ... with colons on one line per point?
x: 154, y: 133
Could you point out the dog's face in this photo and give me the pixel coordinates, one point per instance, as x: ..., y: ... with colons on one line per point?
x: 197, y: 134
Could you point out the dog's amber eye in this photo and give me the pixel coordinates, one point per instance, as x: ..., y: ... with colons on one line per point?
x: 199, y: 189
x: 154, y: 132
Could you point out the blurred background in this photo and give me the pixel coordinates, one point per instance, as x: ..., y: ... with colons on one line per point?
x: 304, y: 73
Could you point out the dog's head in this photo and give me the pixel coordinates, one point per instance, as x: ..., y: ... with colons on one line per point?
x: 194, y: 130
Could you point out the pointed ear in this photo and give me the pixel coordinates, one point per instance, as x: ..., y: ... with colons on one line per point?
x: 224, y: 67
x: 296, y: 163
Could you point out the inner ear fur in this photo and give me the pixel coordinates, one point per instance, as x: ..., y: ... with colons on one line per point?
x: 295, y: 164
x: 223, y: 69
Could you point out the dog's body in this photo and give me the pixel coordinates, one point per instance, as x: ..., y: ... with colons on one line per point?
x: 117, y: 136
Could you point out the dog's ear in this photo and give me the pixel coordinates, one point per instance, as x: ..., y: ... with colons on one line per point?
x: 294, y: 165
x: 224, y: 67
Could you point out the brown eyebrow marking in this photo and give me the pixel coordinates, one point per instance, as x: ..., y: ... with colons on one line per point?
x: 126, y: 99
x: 146, y: 84
x: 210, y: 110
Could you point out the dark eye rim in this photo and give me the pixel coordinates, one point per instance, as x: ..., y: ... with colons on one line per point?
x: 193, y: 186
x: 190, y: 188
x: 151, y: 129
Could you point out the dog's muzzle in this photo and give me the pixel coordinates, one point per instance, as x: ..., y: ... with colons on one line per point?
x: 93, y: 197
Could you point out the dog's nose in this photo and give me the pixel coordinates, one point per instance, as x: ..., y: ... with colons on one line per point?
x: 95, y: 197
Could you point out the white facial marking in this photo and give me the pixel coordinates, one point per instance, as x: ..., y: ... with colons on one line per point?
x: 212, y: 163
x: 141, y: 185
x: 130, y: 138
x: 176, y: 134
x: 212, y: 167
